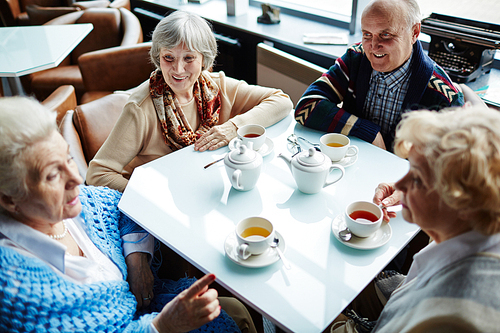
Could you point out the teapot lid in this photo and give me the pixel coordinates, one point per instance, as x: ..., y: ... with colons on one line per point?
x: 242, y: 154
x: 311, y: 158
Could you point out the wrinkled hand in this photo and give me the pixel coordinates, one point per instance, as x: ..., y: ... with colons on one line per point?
x: 140, y: 278
x: 379, y: 141
x: 217, y: 137
x: 387, y: 195
x: 191, y: 309
x: 470, y: 97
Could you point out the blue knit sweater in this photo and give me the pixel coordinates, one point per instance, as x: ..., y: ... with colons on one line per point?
x: 348, y: 82
x: 33, y: 298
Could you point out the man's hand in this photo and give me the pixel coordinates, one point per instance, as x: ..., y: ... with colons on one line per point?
x: 217, y: 137
x: 379, y: 141
x: 140, y: 278
x: 191, y: 309
x: 387, y: 195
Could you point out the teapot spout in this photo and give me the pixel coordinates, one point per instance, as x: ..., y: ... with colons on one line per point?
x: 287, y: 159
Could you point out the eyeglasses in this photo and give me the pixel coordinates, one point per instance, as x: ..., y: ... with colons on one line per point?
x: 294, y: 144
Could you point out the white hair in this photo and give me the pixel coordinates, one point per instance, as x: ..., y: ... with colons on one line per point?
x: 408, y: 8
x: 23, y: 122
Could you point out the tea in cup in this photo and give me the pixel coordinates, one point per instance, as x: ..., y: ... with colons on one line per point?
x: 363, y: 218
x: 254, y: 235
x: 337, y: 146
x: 256, y: 134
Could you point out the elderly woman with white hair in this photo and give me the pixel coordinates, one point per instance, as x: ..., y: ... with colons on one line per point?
x: 182, y: 103
x: 69, y: 259
x: 452, y: 192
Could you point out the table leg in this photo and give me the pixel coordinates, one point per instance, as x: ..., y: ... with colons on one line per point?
x: 12, y: 86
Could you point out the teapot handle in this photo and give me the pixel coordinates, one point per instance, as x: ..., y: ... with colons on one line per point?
x: 235, y: 179
x: 335, y: 166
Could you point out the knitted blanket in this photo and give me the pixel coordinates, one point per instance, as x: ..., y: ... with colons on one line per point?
x: 34, y: 298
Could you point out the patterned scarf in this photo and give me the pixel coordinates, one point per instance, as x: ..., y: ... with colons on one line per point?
x: 177, y: 132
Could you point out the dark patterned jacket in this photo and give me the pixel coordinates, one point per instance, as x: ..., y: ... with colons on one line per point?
x: 334, y: 102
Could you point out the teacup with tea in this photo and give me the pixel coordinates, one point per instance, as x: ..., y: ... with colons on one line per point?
x: 256, y: 134
x: 363, y: 218
x: 337, y: 146
x: 254, y: 236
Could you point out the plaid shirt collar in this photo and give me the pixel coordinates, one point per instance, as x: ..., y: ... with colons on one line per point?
x: 396, y: 77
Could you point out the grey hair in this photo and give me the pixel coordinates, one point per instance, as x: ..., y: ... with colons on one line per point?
x: 188, y: 28
x: 23, y: 122
x: 412, y: 13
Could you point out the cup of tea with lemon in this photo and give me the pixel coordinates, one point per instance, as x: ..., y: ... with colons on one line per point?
x: 337, y: 146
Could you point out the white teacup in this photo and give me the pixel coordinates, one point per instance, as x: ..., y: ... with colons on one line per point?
x: 254, y: 235
x: 363, y: 218
x: 256, y: 134
x: 337, y: 146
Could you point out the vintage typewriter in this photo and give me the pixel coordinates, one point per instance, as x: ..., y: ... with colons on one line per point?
x: 465, y: 49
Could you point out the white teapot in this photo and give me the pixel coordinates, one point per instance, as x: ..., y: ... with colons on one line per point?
x: 310, y: 169
x: 243, y: 166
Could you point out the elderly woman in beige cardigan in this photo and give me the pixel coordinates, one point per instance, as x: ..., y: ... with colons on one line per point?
x: 182, y: 103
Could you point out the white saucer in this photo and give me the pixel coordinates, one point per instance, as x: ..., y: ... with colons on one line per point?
x: 265, y: 150
x: 269, y: 257
x: 378, y: 239
x: 347, y: 161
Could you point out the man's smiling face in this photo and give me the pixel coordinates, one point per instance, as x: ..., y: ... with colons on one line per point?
x: 387, y: 40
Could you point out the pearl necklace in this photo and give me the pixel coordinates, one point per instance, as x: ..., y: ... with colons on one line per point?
x: 61, y: 236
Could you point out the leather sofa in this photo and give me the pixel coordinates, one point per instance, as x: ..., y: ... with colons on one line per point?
x: 37, y: 12
x: 87, y: 126
x: 39, y: 15
x: 61, y: 100
x: 112, y: 27
x: 14, y: 13
x: 117, y: 68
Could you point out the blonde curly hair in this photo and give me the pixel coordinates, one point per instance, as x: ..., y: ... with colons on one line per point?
x: 462, y: 148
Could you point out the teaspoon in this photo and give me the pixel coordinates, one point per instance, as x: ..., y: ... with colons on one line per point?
x: 315, y: 145
x: 345, y: 234
x: 274, y: 245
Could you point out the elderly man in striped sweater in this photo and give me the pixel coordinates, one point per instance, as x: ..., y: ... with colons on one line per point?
x: 367, y: 90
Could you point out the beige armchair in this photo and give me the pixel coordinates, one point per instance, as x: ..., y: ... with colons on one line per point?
x: 112, y: 27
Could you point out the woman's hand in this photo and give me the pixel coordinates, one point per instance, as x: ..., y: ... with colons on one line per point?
x: 140, y: 278
x: 387, y: 195
x: 217, y: 137
x: 191, y: 309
